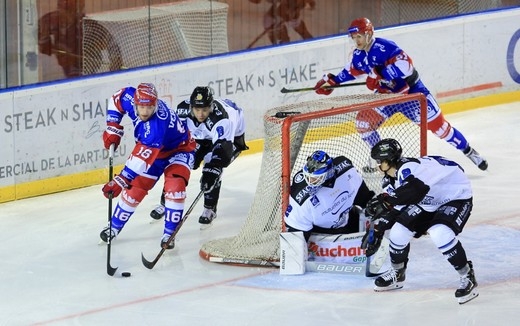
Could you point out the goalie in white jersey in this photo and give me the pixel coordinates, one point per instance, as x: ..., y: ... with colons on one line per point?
x: 324, y: 195
x: 430, y: 194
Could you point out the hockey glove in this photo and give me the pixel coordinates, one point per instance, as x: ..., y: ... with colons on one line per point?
x: 112, y: 135
x: 371, y: 241
x: 115, y: 186
x: 378, y: 206
x: 327, y: 80
x: 210, y: 177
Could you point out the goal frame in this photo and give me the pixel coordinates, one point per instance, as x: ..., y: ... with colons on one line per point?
x: 287, y: 130
x: 290, y: 119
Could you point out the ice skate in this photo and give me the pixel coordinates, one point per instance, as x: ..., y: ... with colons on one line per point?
x: 164, y: 242
x: 105, y: 234
x: 207, y: 217
x: 467, y: 290
x: 475, y: 157
x: 158, y: 212
x: 391, y: 280
x: 371, y: 166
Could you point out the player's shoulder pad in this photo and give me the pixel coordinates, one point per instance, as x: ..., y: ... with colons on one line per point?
x: 299, y: 189
x: 183, y: 109
x: 342, y: 165
x: 124, y: 96
x: 219, y: 113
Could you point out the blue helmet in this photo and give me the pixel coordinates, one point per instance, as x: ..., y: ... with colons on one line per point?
x: 318, y: 169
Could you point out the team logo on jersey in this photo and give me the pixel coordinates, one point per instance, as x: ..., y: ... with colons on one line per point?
x: 162, y: 111
x: 220, y: 131
x: 315, y: 201
x: 299, y: 177
x: 404, y: 174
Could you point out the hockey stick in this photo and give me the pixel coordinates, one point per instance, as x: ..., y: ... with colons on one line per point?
x: 110, y: 270
x: 304, y: 89
x: 369, y: 240
x: 150, y: 264
x: 244, y: 261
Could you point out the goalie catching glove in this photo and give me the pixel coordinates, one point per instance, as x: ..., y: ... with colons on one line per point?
x: 112, y: 135
x: 210, y: 177
x: 327, y: 80
x: 115, y: 186
x: 378, y: 206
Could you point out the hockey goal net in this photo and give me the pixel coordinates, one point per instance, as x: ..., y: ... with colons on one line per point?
x: 143, y: 36
x: 292, y: 133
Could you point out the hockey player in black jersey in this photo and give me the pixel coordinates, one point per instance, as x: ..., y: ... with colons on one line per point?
x: 426, y: 195
x: 219, y: 129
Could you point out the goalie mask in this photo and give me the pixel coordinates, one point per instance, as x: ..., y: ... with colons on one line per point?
x: 318, y: 169
x: 388, y: 150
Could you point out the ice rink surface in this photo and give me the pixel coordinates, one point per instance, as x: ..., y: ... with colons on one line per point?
x: 53, y: 271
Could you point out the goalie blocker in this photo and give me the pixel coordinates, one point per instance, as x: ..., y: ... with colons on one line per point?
x: 328, y: 253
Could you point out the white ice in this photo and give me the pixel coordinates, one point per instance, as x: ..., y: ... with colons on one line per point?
x: 53, y: 271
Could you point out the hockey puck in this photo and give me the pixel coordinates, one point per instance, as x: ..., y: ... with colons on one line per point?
x: 126, y: 274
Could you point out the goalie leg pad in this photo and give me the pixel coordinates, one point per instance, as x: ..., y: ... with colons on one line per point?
x: 293, y: 253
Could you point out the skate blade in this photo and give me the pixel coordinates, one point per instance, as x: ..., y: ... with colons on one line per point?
x: 472, y: 295
x: 389, y: 288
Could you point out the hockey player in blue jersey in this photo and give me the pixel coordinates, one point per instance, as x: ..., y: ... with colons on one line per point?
x: 391, y: 70
x: 218, y: 127
x: 426, y: 195
x: 164, y: 146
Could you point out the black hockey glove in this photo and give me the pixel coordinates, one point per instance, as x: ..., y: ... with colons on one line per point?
x: 210, y: 177
x: 378, y: 206
x: 371, y: 241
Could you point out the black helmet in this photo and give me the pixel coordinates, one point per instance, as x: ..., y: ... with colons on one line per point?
x: 387, y: 150
x: 202, y: 97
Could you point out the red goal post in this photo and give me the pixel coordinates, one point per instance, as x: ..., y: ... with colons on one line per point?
x: 292, y: 133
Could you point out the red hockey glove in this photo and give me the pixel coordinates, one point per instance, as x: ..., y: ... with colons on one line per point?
x: 112, y: 135
x: 115, y: 186
x: 327, y: 80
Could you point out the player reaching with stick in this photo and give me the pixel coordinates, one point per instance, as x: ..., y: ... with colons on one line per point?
x: 426, y: 195
x: 163, y: 146
x: 218, y: 127
x: 390, y: 70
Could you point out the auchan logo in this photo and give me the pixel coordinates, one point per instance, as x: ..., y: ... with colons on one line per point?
x: 338, y: 251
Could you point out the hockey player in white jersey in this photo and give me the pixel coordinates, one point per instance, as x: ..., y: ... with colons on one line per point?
x: 426, y: 195
x: 324, y: 196
x: 219, y: 129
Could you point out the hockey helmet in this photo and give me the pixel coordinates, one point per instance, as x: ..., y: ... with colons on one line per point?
x: 318, y: 169
x: 145, y: 95
x: 202, y: 97
x: 387, y: 150
x: 361, y: 26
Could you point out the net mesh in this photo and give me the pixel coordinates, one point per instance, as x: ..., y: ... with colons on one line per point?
x: 328, y: 124
x: 144, y: 36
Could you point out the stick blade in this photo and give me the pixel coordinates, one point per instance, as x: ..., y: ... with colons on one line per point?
x: 111, y: 270
x: 284, y: 90
x: 148, y: 264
